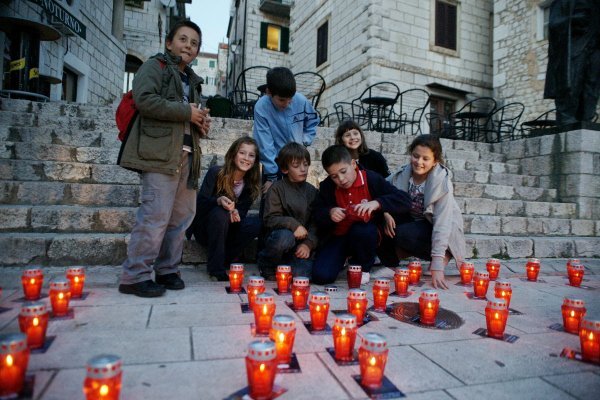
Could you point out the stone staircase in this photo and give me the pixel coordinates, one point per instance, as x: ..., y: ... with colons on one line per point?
x: 63, y: 200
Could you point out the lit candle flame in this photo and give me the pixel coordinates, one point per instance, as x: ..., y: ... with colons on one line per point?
x: 480, y: 282
x: 9, y: 360
x: 503, y: 293
x: 372, y: 360
x: 318, y: 308
x: 32, y: 281
x: 591, y: 336
x: 262, y: 367
x: 234, y: 276
x: 76, y: 279
x: 281, y: 336
x: 358, y: 305
x: 381, y: 292
x: 428, y: 304
x: 104, y: 390
x: 572, y: 313
x: 496, y: 316
x: 532, y: 269
x: 36, y: 321
x: 343, y: 333
x: 61, y: 295
x: 265, y: 309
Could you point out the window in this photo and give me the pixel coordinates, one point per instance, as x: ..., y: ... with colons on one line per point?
x: 211, y: 63
x: 543, y: 16
x: 69, y: 85
x: 322, y: 40
x: 132, y: 64
x: 440, y: 108
x: 445, y: 25
x: 274, y: 37
x: 135, y: 3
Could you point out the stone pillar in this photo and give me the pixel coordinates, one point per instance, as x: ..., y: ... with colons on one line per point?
x: 118, y: 19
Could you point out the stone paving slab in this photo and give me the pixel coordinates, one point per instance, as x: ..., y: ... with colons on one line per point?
x: 517, y: 389
x: 577, y: 384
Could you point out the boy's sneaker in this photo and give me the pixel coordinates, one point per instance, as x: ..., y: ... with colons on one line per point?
x: 170, y: 281
x: 365, y: 278
x: 143, y: 289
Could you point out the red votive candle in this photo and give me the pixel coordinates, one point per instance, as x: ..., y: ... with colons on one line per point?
x: 401, y: 281
x: 493, y: 268
x: 60, y: 295
x: 256, y: 286
x: 284, y: 278
x: 496, y: 314
x: 381, y: 290
x: 261, y: 367
x: 103, y: 378
x: 503, y: 290
x: 33, y: 322
x: 32, y: 280
x: 533, y: 269
x: 319, y: 308
x: 283, y: 333
x: 429, y: 304
x: 344, y: 336
x: 357, y: 304
x: 264, y: 310
x: 76, y: 277
x: 481, y: 282
x: 14, y: 357
x: 415, y: 272
x: 354, y: 275
x: 573, y: 311
x: 466, y: 272
x: 589, y: 336
x: 372, y: 357
x: 236, y: 277
x: 575, y: 273
x: 300, y: 292
x: 572, y: 261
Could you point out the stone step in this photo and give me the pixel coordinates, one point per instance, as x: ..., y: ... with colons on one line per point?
x: 496, y: 178
x: 526, y: 226
x: 71, y: 136
x: 503, y: 192
x: 516, y: 208
x: 457, y: 164
x: 57, y: 108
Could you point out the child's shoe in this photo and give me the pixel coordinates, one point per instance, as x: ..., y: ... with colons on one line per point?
x: 365, y: 278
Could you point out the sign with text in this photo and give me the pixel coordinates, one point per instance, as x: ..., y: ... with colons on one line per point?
x: 65, y: 17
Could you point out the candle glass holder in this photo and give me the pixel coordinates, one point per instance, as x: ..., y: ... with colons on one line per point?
x: 589, y: 336
x: 236, y: 277
x: 256, y: 286
x: 401, y: 281
x: 372, y: 357
x: 493, y: 268
x: 33, y: 322
x: 575, y: 273
x: 467, y: 270
x: 32, y: 280
x: 416, y: 270
x: 429, y: 304
x: 496, y: 315
x: 344, y: 336
x: 354, y: 275
x: 14, y: 357
x: 481, y: 282
x: 573, y: 311
x: 283, y: 276
x: 300, y: 292
x: 572, y: 261
x: 319, y: 309
x: 533, y: 269
x: 283, y: 333
x: 357, y: 304
x: 264, y: 310
x: 261, y: 367
x: 503, y: 290
x: 103, y: 378
x: 76, y: 277
x: 60, y: 294
x: 381, y: 291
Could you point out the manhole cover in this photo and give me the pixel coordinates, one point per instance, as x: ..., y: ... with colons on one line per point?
x: 409, y: 312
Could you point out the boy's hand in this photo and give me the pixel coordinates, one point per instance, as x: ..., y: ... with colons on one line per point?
x: 367, y: 208
x: 226, y: 203
x: 200, y: 118
x: 300, y: 233
x: 234, y: 216
x: 266, y: 186
x: 302, y: 251
x: 437, y: 280
x: 390, y: 225
x: 337, y: 214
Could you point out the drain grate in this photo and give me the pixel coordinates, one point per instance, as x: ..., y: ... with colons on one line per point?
x: 409, y: 312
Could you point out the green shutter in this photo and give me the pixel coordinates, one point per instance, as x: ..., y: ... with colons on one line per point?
x: 285, y: 39
x: 263, y: 34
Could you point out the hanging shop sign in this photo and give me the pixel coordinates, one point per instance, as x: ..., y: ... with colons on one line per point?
x: 65, y: 17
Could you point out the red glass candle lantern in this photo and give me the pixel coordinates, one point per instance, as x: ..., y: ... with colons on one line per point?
x: 496, y: 315
x: 284, y: 278
x: 319, y: 308
x: 264, y: 310
x: 32, y: 281
x: 589, y: 336
x: 14, y: 357
x: 401, y: 281
x: 503, y: 290
x: 236, y: 277
x: 493, y: 268
x: 256, y: 286
x: 354, y: 276
x: 344, y: 336
x: 572, y: 261
x: 60, y: 295
x: 481, y: 282
x: 283, y: 333
x: 429, y: 304
x: 573, y: 311
x: 357, y: 304
x: 33, y: 322
x: 415, y: 272
x: 261, y: 367
x: 467, y: 270
x: 103, y: 378
x: 575, y: 273
x: 372, y: 357
x: 381, y: 290
x: 533, y: 269
x: 300, y: 292
x: 76, y: 277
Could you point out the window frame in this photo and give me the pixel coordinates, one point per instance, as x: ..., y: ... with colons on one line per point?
x: 324, y: 62
x: 440, y: 48
x: 542, y: 19
x: 284, y: 37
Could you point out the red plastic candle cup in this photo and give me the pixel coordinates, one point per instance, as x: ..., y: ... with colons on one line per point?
x: 76, y: 277
x: 300, y: 292
x: 256, y: 286
x: 589, y: 336
x: 372, y: 357
x: 344, y: 336
x: 496, y: 315
x: 14, y: 357
x: 401, y: 281
x: 429, y: 304
x: 283, y: 333
x: 283, y: 276
x: 572, y: 261
x: 533, y: 269
x: 575, y: 273
x: 467, y: 269
x: 357, y: 304
x: 493, y: 268
x: 319, y: 309
x: 103, y: 378
x: 33, y: 322
x: 381, y: 290
x: 236, y: 277
x: 573, y: 311
x: 261, y: 367
x: 354, y: 276
x: 60, y: 294
x: 481, y: 281
x: 264, y: 310
x: 32, y: 280
x: 415, y: 272
x: 503, y: 290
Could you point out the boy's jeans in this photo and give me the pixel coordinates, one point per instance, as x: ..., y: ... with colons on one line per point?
x: 279, y: 249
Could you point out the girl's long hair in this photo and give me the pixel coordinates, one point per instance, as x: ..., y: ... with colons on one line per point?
x: 346, y: 126
x: 251, y: 178
x: 430, y: 141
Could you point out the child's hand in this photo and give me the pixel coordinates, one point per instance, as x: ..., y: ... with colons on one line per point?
x: 200, y: 118
x: 367, y: 208
x: 390, y: 225
x: 300, y: 233
x: 234, y: 216
x: 437, y: 280
x: 337, y: 214
x: 302, y: 251
x: 226, y: 203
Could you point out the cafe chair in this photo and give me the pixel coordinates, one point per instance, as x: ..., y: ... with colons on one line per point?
x: 243, y: 103
x: 534, y: 127
x: 311, y: 85
x: 473, y: 118
x: 503, y: 123
x: 413, y: 105
x: 436, y: 122
x: 345, y: 110
x: 377, y: 101
x: 249, y: 87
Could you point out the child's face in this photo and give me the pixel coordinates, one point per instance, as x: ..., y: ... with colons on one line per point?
x: 422, y: 160
x: 352, y: 139
x: 281, y: 103
x: 297, y: 170
x: 245, y: 158
x: 185, y: 44
x: 343, y: 174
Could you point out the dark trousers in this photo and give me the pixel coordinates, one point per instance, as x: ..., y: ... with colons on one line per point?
x: 279, y: 248
x: 412, y: 237
x: 360, y: 244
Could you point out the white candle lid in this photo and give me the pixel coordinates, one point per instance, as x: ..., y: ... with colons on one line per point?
x: 357, y: 294
x: 373, y: 342
x: 60, y: 284
x: 467, y: 265
x: 414, y: 264
x: 503, y: 284
x: 429, y: 294
x: 104, y: 366
x: 300, y: 281
x: 497, y: 304
x: 577, y: 303
x: 482, y: 275
x: 259, y: 350
x: 283, y: 323
x: 533, y: 261
x: 354, y: 268
x: 319, y: 298
x: 75, y: 271
x: 382, y: 282
x: 577, y: 267
x: 264, y: 298
x: 590, y: 324
x: 33, y: 309
x: 33, y: 273
x: 402, y: 271
x: 572, y: 261
x: 236, y: 267
x: 493, y: 261
x: 256, y: 281
x: 345, y: 320
x: 284, y: 268
x: 331, y: 288
x: 11, y: 343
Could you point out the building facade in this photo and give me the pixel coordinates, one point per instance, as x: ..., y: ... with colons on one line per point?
x: 206, y: 67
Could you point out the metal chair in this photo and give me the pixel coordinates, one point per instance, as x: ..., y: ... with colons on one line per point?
x: 533, y: 127
x: 436, y: 123
x: 413, y: 104
x: 471, y: 119
x: 377, y: 101
x: 503, y: 123
x: 311, y: 85
x: 345, y: 110
x: 249, y: 86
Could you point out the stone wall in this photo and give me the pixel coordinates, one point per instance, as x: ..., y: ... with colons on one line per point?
x: 145, y: 29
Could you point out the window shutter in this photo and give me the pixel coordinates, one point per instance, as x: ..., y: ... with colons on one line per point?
x: 263, y: 34
x: 445, y: 25
x: 451, y: 26
x: 439, y: 23
x: 285, y: 39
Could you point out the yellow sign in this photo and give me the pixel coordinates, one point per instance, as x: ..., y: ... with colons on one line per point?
x: 34, y: 73
x: 17, y: 65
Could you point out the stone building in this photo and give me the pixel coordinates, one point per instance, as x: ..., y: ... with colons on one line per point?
x: 205, y: 66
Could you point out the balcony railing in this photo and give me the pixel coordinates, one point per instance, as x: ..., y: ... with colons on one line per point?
x: 280, y: 8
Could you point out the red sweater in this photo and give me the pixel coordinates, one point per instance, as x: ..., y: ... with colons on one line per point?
x: 348, y: 198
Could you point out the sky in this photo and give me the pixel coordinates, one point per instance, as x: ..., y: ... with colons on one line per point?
x: 213, y: 17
